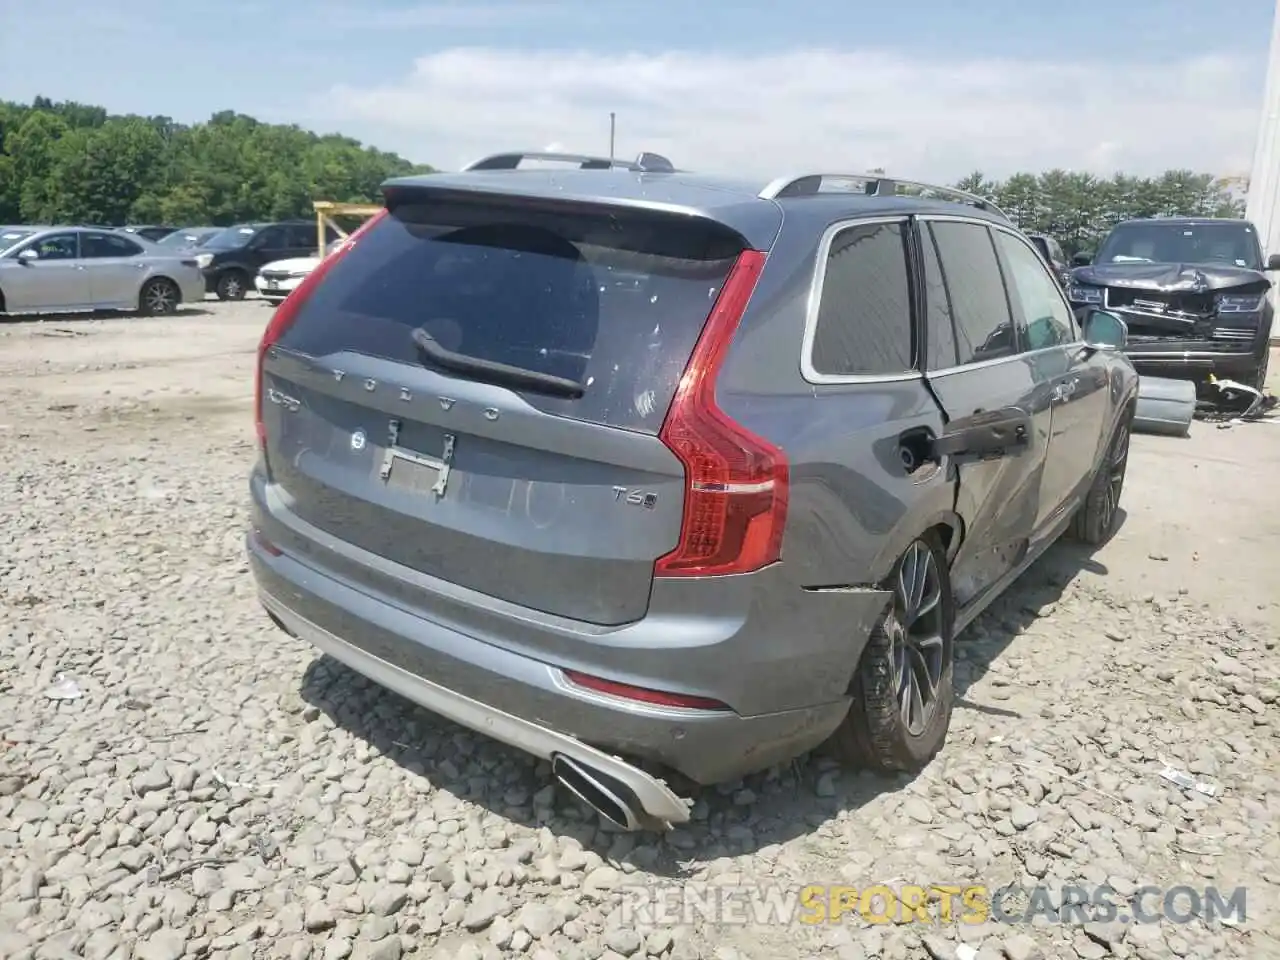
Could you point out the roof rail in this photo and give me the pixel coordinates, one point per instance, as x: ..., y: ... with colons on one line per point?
x: 645, y: 163
x: 874, y: 185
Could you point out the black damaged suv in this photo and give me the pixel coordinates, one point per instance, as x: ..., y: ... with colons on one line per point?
x: 1192, y: 291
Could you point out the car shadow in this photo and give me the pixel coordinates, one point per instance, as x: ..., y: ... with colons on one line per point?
x: 812, y: 794
x: 183, y: 312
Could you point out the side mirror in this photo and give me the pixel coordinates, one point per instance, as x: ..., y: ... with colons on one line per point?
x: 996, y: 433
x: 1081, y: 259
x: 28, y: 257
x: 1105, y: 331
x: 1273, y: 262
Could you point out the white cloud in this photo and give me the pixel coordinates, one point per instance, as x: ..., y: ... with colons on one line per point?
x: 829, y: 109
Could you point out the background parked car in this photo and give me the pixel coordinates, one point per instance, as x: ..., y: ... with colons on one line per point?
x: 149, y: 232
x: 231, y: 259
x: 70, y: 269
x: 280, y: 278
x: 1053, y: 255
x: 188, y: 238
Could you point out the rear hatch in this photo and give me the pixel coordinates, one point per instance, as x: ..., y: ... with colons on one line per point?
x: 476, y: 387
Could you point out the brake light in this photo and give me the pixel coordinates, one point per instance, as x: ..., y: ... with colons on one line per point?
x: 735, y: 501
x: 287, y: 312
x: 626, y: 691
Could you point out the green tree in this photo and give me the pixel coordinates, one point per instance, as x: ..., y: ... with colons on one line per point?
x: 74, y: 162
x: 1079, y: 208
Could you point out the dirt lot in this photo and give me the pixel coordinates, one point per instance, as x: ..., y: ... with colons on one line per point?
x: 219, y: 791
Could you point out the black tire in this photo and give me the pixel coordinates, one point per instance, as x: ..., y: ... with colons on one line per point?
x: 233, y: 285
x: 1095, y: 520
x: 159, y: 297
x: 875, y: 734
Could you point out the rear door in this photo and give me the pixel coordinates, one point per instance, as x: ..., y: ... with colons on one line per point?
x: 269, y: 245
x: 553, y: 498
x: 302, y: 239
x: 974, y: 368
x: 1077, y: 379
x: 111, y: 262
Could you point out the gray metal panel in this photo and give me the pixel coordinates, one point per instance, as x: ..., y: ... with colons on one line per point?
x: 1164, y: 406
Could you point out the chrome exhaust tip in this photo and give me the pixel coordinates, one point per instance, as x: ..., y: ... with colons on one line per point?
x: 614, y: 801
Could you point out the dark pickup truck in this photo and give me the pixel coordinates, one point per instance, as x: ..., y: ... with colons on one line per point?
x: 1193, y: 291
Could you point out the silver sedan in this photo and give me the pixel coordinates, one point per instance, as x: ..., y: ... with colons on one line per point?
x: 70, y: 269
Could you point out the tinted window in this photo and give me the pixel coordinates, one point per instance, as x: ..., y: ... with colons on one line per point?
x: 231, y: 238
x: 614, y: 301
x: 864, y: 317
x: 302, y: 235
x: 272, y: 238
x: 984, y: 328
x: 1043, y: 318
x: 57, y: 246
x: 107, y: 245
x: 940, y: 332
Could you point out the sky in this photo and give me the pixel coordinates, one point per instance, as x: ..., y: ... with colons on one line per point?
x: 930, y: 89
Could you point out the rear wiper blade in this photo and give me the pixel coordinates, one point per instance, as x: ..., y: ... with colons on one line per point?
x: 491, y: 370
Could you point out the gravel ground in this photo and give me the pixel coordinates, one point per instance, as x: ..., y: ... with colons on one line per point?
x: 220, y: 791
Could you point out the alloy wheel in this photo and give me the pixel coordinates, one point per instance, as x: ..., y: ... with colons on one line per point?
x: 915, y: 631
x: 159, y: 298
x: 1117, y: 461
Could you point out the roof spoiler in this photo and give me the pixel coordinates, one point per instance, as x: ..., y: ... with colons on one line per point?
x: 644, y: 163
x: 873, y: 185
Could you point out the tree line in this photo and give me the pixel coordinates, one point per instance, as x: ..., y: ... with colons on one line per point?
x: 1079, y: 208
x: 75, y: 163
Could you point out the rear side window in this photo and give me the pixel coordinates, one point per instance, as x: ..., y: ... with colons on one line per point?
x: 105, y: 245
x: 940, y: 329
x: 864, y: 317
x: 979, y: 306
x: 611, y: 299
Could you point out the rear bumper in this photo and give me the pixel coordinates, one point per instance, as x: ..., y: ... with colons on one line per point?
x: 658, y: 801
x: 428, y: 657
x: 463, y: 679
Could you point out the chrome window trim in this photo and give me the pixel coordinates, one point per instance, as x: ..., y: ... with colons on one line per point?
x: 811, y: 375
x: 814, y: 306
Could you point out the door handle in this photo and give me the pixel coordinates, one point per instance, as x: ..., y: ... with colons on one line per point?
x: 1063, y: 391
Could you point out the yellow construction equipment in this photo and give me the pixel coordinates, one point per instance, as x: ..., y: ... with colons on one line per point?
x: 326, y: 210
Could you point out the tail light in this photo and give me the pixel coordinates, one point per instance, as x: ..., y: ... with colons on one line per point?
x: 287, y: 312
x: 736, y: 483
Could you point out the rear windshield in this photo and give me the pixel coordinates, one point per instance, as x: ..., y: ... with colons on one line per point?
x: 614, y: 301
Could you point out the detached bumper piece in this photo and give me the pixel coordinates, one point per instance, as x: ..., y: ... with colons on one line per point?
x: 1164, y: 406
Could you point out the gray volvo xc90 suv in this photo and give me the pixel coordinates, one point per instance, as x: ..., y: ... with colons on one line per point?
x: 640, y: 470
